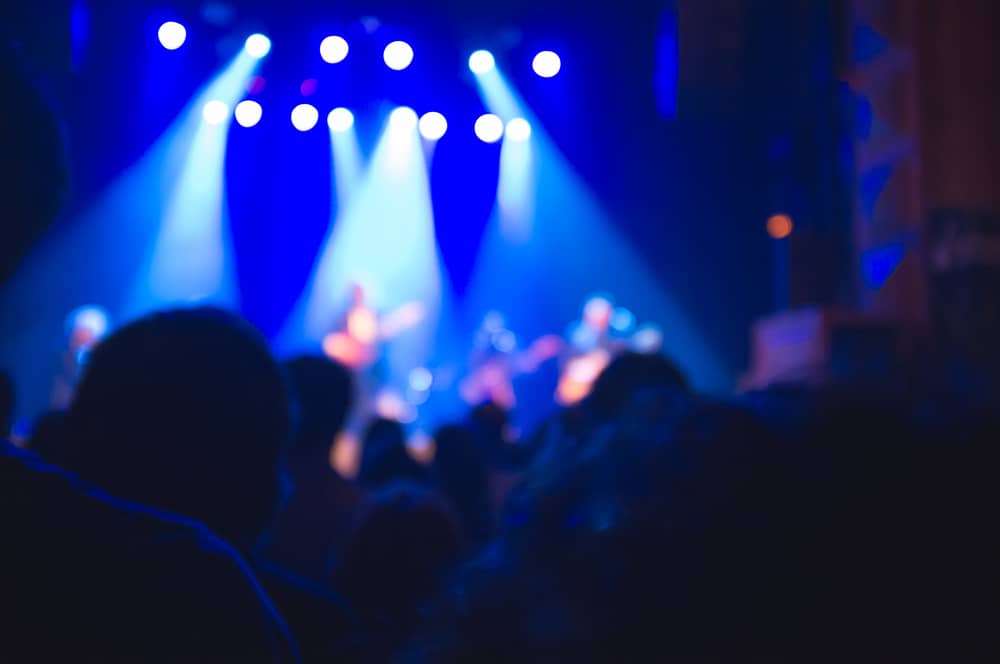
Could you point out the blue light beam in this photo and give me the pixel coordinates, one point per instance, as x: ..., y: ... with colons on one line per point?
x: 550, y: 225
x: 348, y: 165
x: 383, y: 239
x: 116, y: 243
x: 192, y: 257
x: 516, y: 190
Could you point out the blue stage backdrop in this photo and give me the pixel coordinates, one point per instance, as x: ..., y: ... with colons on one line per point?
x: 613, y: 191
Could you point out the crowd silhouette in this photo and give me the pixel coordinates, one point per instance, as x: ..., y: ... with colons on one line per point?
x: 185, y: 508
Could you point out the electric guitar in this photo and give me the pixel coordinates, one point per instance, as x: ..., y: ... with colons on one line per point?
x: 493, y: 379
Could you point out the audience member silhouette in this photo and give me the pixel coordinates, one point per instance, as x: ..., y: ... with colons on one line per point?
x: 87, y: 577
x: 490, y: 424
x: 313, y: 523
x: 460, y: 472
x: 505, y: 456
x: 186, y: 411
x: 385, y: 458
x: 705, y: 532
x: 630, y: 373
x: 405, y: 543
x: 323, y: 393
x: 7, y: 401
x: 48, y: 438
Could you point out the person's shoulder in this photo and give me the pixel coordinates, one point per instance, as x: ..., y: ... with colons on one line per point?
x: 321, y: 621
x: 118, y: 578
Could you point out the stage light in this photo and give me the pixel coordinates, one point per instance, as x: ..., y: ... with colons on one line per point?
x: 304, y: 117
x: 622, y: 320
x: 546, y: 64
x: 340, y: 120
x: 87, y: 324
x: 333, y: 49
x: 433, y: 126
x: 481, y: 62
x: 248, y: 113
x: 518, y: 129
x: 489, y: 128
x: 172, y: 35
x: 309, y: 87
x: 383, y: 237
x: 779, y: 226
x: 505, y: 342
x: 215, y: 112
x: 398, y: 55
x: 257, y: 45
x: 421, y: 379
x: 403, y: 118
x: 647, y: 339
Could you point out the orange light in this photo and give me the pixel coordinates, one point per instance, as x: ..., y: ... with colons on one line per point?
x: 362, y: 325
x: 343, y: 348
x: 579, y: 375
x: 779, y: 226
x: 421, y: 447
x: 345, y: 454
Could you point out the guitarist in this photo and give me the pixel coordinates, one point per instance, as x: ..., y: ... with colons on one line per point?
x: 596, y: 339
x: 496, y: 362
x: 360, y: 341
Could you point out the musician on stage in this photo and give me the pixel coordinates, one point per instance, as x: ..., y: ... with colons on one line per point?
x: 85, y: 327
x: 603, y: 332
x: 496, y: 361
x: 359, y: 343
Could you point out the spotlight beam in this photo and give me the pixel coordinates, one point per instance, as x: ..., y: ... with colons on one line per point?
x: 383, y: 237
x: 191, y: 259
x: 347, y: 166
x: 515, y: 212
x: 499, y: 96
x: 516, y: 190
x: 549, y: 224
x: 113, y: 245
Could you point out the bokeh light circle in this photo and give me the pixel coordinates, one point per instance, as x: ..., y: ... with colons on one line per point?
x: 489, y: 128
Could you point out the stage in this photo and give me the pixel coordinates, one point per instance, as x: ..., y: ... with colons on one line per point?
x: 275, y: 181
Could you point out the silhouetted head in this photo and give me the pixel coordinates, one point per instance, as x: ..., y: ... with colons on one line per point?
x: 32, y: 160
x: 6, y: 404
x: 490, y: 419
x: 461, y: 474
x: 714, y: 534
x: 490, y: 424
x: 404, y: 544
x: 625, y: 544
x: 628, y: 375
x: 322, y: 392
x: 185, y: 411
x: 384, y: 457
